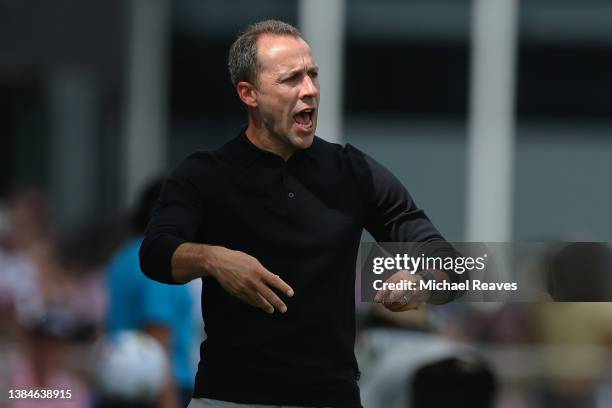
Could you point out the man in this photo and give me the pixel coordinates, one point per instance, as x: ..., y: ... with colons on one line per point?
x: 272, y: 221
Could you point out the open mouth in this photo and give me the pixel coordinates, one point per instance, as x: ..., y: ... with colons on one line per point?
x: 303, y: 119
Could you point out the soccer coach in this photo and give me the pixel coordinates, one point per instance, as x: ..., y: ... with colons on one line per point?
x: 272, y: 223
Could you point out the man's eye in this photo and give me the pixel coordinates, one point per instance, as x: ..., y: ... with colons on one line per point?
x: 314, y: 74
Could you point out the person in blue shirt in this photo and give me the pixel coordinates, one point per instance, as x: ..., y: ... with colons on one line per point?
x: 162, y: 311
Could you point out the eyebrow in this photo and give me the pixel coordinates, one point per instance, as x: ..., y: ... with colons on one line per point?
x: 314, y: 68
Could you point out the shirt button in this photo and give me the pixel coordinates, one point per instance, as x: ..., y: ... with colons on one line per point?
x: 291, y: 195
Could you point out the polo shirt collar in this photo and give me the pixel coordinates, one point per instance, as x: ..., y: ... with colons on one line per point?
x: 247, y: 153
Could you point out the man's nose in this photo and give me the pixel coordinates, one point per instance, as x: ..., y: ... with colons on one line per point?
x: 309, y: 87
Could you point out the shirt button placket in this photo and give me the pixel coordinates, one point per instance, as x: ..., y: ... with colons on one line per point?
x: 290, y: 194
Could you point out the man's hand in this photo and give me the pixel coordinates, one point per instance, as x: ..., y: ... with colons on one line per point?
x: 402, y: 300
x: 238, y: 273
x: 243, y: 276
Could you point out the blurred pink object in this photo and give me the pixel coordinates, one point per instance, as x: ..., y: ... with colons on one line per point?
x: 55, y: 378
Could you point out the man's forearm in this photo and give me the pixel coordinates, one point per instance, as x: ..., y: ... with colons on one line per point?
x: 192, y: 261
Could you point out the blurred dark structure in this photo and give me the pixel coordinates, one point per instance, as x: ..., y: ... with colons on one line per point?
x: 64, y: 76
x: 58, y: 56
x: 581, y: 272
x: 465, y: 381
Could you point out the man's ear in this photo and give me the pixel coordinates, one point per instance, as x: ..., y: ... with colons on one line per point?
x: 247, y: 93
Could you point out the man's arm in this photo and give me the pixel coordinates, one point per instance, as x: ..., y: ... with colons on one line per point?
x: 176, y: 219
x: 238, y: 273
x: 392, y: 216
x: 170, y: 253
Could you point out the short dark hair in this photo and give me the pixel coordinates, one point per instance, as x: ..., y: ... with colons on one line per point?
x: 242, y: 61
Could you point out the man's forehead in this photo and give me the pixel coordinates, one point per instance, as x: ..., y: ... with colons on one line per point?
x: 284, y: 52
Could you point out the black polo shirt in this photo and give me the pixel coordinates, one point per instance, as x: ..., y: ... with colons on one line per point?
x: 302, y: 219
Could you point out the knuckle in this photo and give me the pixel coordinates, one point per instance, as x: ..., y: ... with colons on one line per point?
x: 260, y: 272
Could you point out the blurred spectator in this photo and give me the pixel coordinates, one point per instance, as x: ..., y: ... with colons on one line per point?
x: 578, y: 332
x: 380, y: 329
x: 31, y: 274
x: 581, y: 272
x: 37, y: 294
x: 34, y: 279
x: 505, y: 324
x: 162, y: 311
x: 578, y: 340
x: 40, y: 364
x: 463, y: 380
x: 428, y: 371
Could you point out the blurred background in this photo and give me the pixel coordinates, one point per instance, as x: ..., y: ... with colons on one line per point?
x: 496, y: 115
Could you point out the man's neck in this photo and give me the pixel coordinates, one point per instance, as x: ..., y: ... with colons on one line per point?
x: 261, y: 137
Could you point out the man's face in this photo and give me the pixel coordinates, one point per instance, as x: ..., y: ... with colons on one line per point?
x: 287, y: 90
